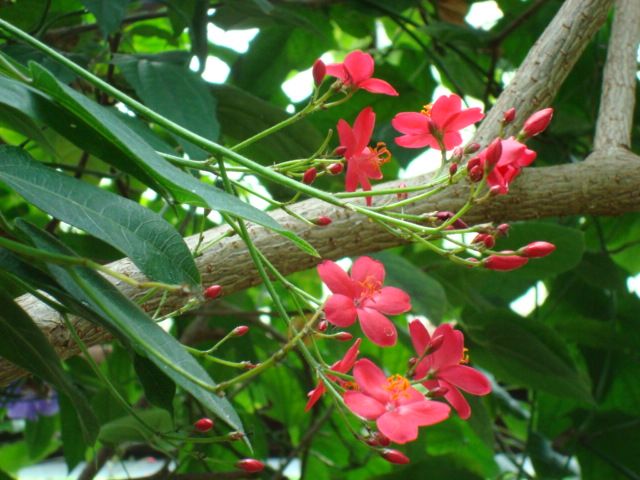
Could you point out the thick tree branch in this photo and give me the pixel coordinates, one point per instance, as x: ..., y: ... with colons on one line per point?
x: 596, y: 188
x: 615, y: 117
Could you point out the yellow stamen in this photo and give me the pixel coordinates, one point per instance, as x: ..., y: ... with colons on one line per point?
x: 465, y: 356
x: 383, y: 153
x: 426, y: 109
x: 397, y: 385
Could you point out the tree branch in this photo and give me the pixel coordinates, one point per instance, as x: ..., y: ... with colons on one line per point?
x: 597, y: 188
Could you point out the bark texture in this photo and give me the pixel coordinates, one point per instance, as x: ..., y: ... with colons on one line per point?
x: 595, y: 187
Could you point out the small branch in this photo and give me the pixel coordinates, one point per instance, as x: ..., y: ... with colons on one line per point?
x: 615, y: 118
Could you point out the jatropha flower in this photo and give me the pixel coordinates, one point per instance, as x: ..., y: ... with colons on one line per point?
x: 446, y: 367
x: 513, y: 158
x: 437, y: 125
x: 363, y: 297
x: 397, y: 407
x: 363, y: 162
x: 356, y: 71
x: 344, y: 365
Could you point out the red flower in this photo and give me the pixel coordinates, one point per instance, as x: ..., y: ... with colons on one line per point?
x: 363, y: 162
x: 343, y: 366
x: 537, y: 122
x: 362, y: 296
x: 504, y: 263
x: 397, y: 407
x: 356, y: 72
x: 513, y: 158
x: 445, y: 365
x: 438, y: 123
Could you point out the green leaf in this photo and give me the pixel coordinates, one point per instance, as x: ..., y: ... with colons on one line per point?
x: 158, y: 388
x: 145, y: 237
x: 22, y: 343
x: 128, y: 429
x: 526, y: 352
x: 108, y: 13
x: 177, y: 93
x: 39, y: 435
x: 185, y: 187
x: 126, y: 319
x: 427, y: 295
x: 74, y: 447
x: 547, y: 462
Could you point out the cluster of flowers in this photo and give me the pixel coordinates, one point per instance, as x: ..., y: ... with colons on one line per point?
x: 395, y: 404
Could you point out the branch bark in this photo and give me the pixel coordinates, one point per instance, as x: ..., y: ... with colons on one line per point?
x: 595, y: 188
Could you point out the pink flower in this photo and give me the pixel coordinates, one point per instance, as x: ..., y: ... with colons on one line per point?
x: 363, y: 297
x: 513, y: 158
x: 363, y: 162
x: 356, y: 72
x: 343, y: 366
x: 438, y: 123
x: 397, y: 407
x: 537, y: 122
x: 445, y: 365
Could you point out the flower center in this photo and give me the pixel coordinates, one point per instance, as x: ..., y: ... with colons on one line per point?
x: 370, y: 286
x: 382, y: 153
x: 465, y: 356
x: 426, y: 109
x: 348, y: 385
x: 397, y: 386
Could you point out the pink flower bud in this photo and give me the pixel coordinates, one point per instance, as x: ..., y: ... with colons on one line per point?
x: 250, y: 465
x: 235, y: 436
x: 319, y: 71
x: 394, y: 456
x: 203, y: 425
x: 322, y: 326
x: 378, y: 439
x: 494, y: 151
x: 239, y: 331
x: 453, y: 169
x: 473, y: 163
x: 412, y: 361
x: 322, y: 221
x: 212, y: 292
x: 343, y: 336
x: 402, y: 195
x: 504, y: 263
x: 249, y: 365
x: 444, y: 215
x: 310, y: 175
x: 438, y: 392
x: 495, y: 190
x: 484, y: 238
x: 472, y: 148
x: 509, y: 116
x: 476, y: 173
x: 335, y: 168
x: 537, y: 249
x: 435, y: 343
x: 537, y: 122
x: 341, y: 150
x: 503, y: 229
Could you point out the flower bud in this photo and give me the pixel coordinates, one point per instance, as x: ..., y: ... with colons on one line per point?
x: 412, y: 361
x: 435, y: 343
x: 343, y: 336
x: 438, y: 392
x: 537, y: 122
x: 472, y: 148
x: 250, y: 465
x: 310, y: 175
x: 453, y: 169
x: 322, y: 221
x: 319, y: 71
x: 340, y: 150
x: 493, y: 152
x: 487, y: 240
x: 444, y: 215
x: 402, y: 195
x: 335, y: 168
x: 537, y: 249
x: 249, y: 365
x: 509, y: 116
x: 239, y: 331
x: 460, y: 224
x: 504, y: 263
x: 322, y: 326
x: 496, y: 190
x: 476, y: 173
x: 457, y: 153
x: 378, y: 439
x: 394, y: 456
x: 212, y: 292
x: 235, y: 436
x: 203, y: 425
x: 503, y: 229
x: 473, y: 163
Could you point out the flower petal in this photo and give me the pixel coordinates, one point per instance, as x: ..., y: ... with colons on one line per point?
x: 444, y: 108
x: 416, y: 141
x: 411, y: 122
x: 375, y: 85
x: 349, y: 358
x: 347, y: 138
x: 425, y: 412
x: 398, y: 427
x: 451, y: 140
x: 314, y: 395
x: 464, y: 118
x: 391, y: 301
x: 457, y: 400
x: 363, y: 128
x: 351, y: 178
x: 466, y: 378
x: 371, y: 380
x: 359, y: 65
x: 377, y: 328
x: 340, y: 310
x: 365, y: 267
x: 452, y: 348
x: 363, y: 405
x: 420, y: 337
x: 337, y: 70
x: 336, y: 278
